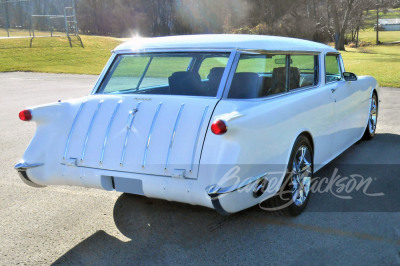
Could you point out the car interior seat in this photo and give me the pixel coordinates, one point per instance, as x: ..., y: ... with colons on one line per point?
x: 245, y: 85
x: 214, y: 79
x: 185, y: 83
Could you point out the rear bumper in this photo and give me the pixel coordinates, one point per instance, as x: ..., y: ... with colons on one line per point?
x: 255, y: 186
x: 22, y: 168
x: 225, y: 200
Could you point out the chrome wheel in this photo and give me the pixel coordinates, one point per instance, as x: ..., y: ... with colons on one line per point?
x: 373, y: 115
x: 301, y: 175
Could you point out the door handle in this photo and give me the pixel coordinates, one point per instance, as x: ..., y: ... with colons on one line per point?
x: 333, y: 90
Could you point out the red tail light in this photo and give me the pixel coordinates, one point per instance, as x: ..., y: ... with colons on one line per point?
x: 25, y: 115
x: 219, y: 127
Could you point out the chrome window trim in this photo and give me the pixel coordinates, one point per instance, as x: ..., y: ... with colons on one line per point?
x: 145, y: 72
x: 342, y: 64
x: 278, y: 52
x: 228, y: 75
x: 216, y: 49
x: 232, y: 71
x: 173, y: 50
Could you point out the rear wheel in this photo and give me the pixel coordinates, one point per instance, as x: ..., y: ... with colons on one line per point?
x: 373, y: 119
x: 295, y: 193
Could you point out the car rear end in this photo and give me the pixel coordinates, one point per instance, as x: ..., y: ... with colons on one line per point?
x: 142, y: 130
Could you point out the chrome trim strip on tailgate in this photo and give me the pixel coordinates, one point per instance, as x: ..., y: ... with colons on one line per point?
x: 132, y: 115
x: 149, y: 137
x: 72, y: 130
x: 197, y: 137
x: 90, y: 130
x: 173, y: 135
x: 108, y: 131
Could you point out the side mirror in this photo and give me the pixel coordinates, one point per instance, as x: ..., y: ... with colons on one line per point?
x: 348, y: 76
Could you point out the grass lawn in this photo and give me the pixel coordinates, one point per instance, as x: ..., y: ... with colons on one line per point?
x: 382, y: 62
x: 369, y: 36
x: 53, y: 55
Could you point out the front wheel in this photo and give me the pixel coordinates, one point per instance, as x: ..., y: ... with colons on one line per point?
x: 372, y: 119
x: 295, y: 192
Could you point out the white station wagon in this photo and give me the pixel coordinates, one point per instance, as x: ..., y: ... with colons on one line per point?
x: 222, y: 121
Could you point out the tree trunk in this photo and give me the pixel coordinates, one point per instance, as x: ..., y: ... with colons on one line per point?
x: 340, y: 30
x: 358, y: 30
x: 377, y: 25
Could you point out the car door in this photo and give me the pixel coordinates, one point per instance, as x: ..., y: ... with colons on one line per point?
x: 345, y: 101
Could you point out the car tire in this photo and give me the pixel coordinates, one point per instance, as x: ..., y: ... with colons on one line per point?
x: 370, y: 130
x: 295, y: 192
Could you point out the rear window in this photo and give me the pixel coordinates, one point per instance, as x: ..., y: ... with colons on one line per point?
x: 195, y: 74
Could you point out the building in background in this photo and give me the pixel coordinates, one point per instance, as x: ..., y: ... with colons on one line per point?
x: 392, y: 24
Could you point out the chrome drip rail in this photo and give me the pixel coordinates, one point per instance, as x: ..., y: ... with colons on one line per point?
x: 131, y: 118
x: 108, y: 130
x: 197, y: 137
x: 173, y: 135
x: 90, y: 130
x: 149, y: 137
x: 72, y: 130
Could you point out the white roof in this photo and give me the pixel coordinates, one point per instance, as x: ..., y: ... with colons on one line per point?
x: 223, y: 41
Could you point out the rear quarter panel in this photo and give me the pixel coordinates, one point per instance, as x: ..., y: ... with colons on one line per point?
x: 261, y: 134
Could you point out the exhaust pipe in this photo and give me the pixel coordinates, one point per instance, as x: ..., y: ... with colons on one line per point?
x: 261, y: 187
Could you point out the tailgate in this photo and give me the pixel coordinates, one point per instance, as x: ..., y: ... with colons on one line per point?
x: 157, y: 135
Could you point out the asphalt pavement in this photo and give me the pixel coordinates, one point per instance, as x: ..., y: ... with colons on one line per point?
x: 71, y: 225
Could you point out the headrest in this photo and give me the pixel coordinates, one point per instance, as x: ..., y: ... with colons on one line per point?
x: 245, y: 85
x: 216, y: 72
x: 185, y: 83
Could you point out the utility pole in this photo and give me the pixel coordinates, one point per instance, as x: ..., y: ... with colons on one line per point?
x: 7, y: 18
x: 377, y: 24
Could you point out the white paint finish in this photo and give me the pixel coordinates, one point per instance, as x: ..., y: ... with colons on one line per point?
x: 223, y: 41
x: 261, y: 133
x: 180, y: 156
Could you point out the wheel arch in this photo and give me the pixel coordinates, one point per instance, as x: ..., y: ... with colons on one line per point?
x: 308, y: 135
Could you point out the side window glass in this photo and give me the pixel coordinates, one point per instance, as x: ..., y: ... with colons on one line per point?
x: 332, y: 70
x: 157, y: 75
x: 303, y: 71
x: 127, y: 75
x: 259, y: 75
x: 141, y: 72
x: 210, y: 64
